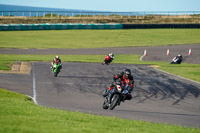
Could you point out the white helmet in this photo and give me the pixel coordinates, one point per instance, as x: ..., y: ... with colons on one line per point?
x: 179, y: 55
x: 111, y: 55
x: 57, y: 57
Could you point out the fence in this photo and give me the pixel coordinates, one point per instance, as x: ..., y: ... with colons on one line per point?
x: 31, y: 17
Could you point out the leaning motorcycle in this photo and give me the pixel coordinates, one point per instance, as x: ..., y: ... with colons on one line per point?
x: 56, y: 69
x: 115, y: 97
x: 107, y: 61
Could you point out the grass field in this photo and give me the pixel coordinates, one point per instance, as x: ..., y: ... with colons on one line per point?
x: 97, y: 38
x: 18, y: 114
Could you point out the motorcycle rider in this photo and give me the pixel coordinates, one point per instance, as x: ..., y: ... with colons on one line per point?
x: 109, y: 58
x: 125, y: 78
x: 56, y: 60
x: 177, y: 60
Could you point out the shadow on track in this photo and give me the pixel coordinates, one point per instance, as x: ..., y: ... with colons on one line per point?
x: 162, y: 87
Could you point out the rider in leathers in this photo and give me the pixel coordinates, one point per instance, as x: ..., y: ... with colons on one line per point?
x: 56, y: 60
x: 177, y: 60
x: 126, y: 78
x: 108, y: 58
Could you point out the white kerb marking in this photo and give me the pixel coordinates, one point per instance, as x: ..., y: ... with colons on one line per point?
x: 141, y: 57
x: 34, y: 88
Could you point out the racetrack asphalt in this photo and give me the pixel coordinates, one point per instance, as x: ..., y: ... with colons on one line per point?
x: 155, y: 53
x: 157, y: 96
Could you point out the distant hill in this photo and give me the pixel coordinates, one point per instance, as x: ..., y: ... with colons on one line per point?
x: 30, y: 8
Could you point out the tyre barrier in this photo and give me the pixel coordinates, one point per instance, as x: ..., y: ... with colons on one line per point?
x: 159, y: 26
x: 62, y: 26
x: 68, y: 26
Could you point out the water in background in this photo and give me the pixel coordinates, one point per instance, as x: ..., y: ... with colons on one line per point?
x: 29, y: 8
x: 14, y: 10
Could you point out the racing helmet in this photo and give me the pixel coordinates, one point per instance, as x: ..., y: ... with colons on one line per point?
x: 127, y: 73
x: 179, y: 55
x: 111, y: 55
x: 57, y: 57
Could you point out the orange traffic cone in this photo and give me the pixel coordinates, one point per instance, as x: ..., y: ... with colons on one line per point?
x: 145, y: 52
x: 190, y: 52
x: 167, y: 51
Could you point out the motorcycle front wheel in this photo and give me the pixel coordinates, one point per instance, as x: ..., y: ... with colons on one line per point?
x: 114, y: 101
x: 105, y: 105
x: 55, y: 74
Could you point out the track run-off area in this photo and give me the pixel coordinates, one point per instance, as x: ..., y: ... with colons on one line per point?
x: 157, y: 96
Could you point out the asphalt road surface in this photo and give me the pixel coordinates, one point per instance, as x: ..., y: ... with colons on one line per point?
x: 157, y: 96
x: 156, y: 53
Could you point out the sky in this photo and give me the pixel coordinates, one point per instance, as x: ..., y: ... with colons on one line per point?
x: 112, y: 5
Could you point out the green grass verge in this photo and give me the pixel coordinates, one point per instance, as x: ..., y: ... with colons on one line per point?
x: 19, y: 114
x: 191, y: 71
x: 97, y: 38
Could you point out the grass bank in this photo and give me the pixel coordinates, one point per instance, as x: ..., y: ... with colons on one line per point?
x: 191, y: 71
x: 97, y: 38
x: 19, y: 114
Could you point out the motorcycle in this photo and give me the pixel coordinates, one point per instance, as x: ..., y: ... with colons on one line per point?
x: 177, y: 60
x: 56, y: 69
x: 107, y: 60
x: 115, y: 97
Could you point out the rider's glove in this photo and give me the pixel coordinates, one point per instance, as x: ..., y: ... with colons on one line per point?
x: 125, y: 92
x: 130, y: 89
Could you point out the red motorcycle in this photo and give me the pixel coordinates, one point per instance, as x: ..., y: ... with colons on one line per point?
x: 107, y: 60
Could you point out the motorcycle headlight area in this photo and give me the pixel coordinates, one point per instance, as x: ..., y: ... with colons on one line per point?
x: 119, y: 88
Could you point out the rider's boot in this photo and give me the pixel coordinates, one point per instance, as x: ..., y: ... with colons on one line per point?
x: 128, y: 97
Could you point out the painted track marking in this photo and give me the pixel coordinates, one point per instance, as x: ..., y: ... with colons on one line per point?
x: 34, y: 88
x: 141, y: 57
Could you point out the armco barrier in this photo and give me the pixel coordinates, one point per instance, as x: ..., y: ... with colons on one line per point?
x: 154, y: 26
x: 66, y: 26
